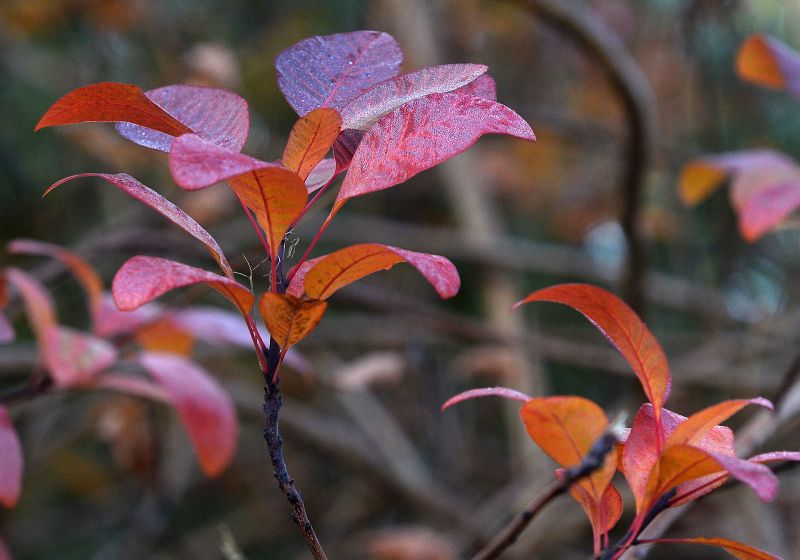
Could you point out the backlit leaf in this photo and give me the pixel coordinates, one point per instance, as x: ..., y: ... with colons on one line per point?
x: 289, y: 319
x: 164, y: 207
x: 603, y: 515
x: 345, y: 266
x: 734, y: 548
x: 504, y: 392
x: 196, y: 163
x: 769, y: 62
x: 111, y: 102
x: 692, y: 430
x: 421, y: 134
x: 204, y: 407
x: 363, y: 111
x: 217, y: 115
x: 10, y: 461
x: 623, y: 328
x: 332, y: 70
x: 320, y: 175
x: 310, y: 140
x: 142, y: 279
x: 74, y: 358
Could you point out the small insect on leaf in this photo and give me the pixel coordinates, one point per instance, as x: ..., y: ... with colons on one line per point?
x: 289, y: 319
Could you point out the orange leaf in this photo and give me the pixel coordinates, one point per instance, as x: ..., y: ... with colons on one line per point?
x: 698, y: 180
x: 737, y: 549
x: 277, y: 196
x: 311, y: 139
x: 345, y: 266
x: 695, y: 428
x: 111, y: 102
x: 603, y: 515
x: 768, y: 62
x: 165, y: 336
x: 623, y: 328
x: 289, y: 319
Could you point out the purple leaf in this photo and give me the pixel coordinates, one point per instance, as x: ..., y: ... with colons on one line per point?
x: 196, y: 163
x: 421, y: 134
x: 345, y: 147
x: 332, y: 70
x: 10, y: 463
x: 320, y: 175
x: 385, y: 97
x: 484, y: 86
x: 504, y: 392
x: 217, y: 115
x: 164, y: 207
x: 776, y: 456
x: 6, y: 330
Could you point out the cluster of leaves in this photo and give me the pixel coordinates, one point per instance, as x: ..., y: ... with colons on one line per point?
x: 765, y: 184
x: 667, y: 459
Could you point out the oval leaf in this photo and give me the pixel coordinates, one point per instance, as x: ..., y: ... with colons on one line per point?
x: 736, y: 549
x: 363, y: 111
x: 204, y: 407
x: 142, y: 279
x: 218, y: 115
x: 623, y: 328
x: 111, y: 102
x: 421, y: 134
x: 504, y: 392
x: 10, y: 462
x: 331, y: 70
x: 769, y: 62
x: 310, y: 140
x: 289, y: 319
x: 692, y: 430
x: 345, y: 266
x: 74, y: 358
x: 164, y: 207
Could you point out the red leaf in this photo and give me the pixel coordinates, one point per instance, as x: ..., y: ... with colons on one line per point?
x: 331, y: 70
x: 421, y: 134
x: 623, y: 328
x: 345, y: 147
x: 10, y: 462
x: 164, y: 207
x: 74, y: 358
x: 486, y: 392
x: 363, y: 111
x: 6, y: 330
x: 484, y: 86
x: 769, y: 62
x: 142, y: 279
x: 320, y: 175
x: 217, y: 115
x: 203, y: 406
x: 196, y: 163
x: 737, y: 549
x: 310, y: 140
x: 111, y: 102
x: 38, y: 305
x: 345, y: 266
x: 692, y: 430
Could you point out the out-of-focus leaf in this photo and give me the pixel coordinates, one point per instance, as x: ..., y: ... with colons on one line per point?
x: 39, y: 306
x: 74, y: 358
x: 769, y: 62
x: 410, y: 543
x: 692, y: 430
x: 3, y: 291
x: 204, y: 407
x: 421, y: 134
x: 623, y: 328
x: 345, y: 266
x: 332, y: 70
x: 111, y: 102
x: 82, y: 270
x: 217, y: 115
x: 4, y: 553
x: 484, y: 86
x: 311, y: 139
x: 363, y: 111
x: 196, y: 163
x: 135, y: 386
x: 142, y: 279
x: 165, y: 336
x: 10, y: 463
x: 290, y: 319
x: 7, y: 333
x: 734, y: 548
x: 164, y: 207
x: 320, y: 175
x: 370, y: 370
x: 768, y: 207
x: 504, y: 392
x: 213, y: 325
x: 113, y: 322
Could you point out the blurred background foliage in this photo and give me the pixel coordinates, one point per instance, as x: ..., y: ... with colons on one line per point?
x: 386, y: 476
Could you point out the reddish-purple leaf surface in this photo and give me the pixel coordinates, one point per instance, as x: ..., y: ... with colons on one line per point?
x: 776, y: 456
x: 6, y: 330
x: 164, y: 207
x: 114, y: 322
x: 320, y: 175
x: 4, y: 553
x: 734, y: 548
x: 136, y: 386
x: 39, y: 307
x: 204, y: 407
x: 10, y: 461
x: 111, y: 102
x: 421, y: 134
x: 332, y: 70
x: 363, y: 111
x: 142, y: 279
x: 503, y: 392
x: 196, y: 163
x: 345, y: 148
x: 768, y: 207
x: 74, y: 358
x: 217, y: 115
x: 769, y: 62
x: 484, y: 86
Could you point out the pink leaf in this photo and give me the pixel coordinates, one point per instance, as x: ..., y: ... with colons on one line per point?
x: 196, y: 163
x: 4, y: 553
x: 776, y: 456
x: 484, y: 86
x: 142, y: 279
x: 164, y: 207
x: 217, y: 115
x: 74, y: 358
x: 486, y: 392
x: 363, y: 111
x: 203, y: 406
x: 10, y: 462
x: 768, y: 207
x: 331, y: 70
x: 734, y: 548
x: 39, y: 306
x: 421, y: 134
x: 320, y: 175
x: 6, y: 330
